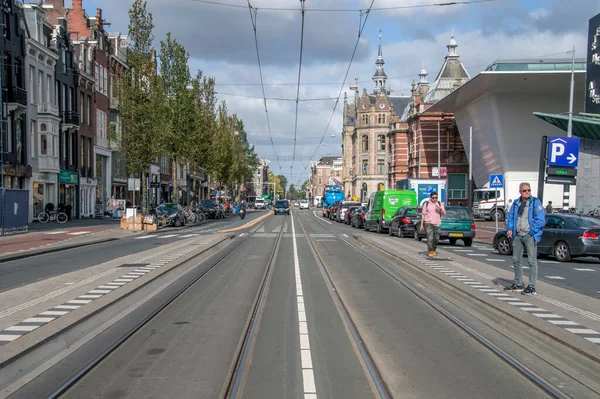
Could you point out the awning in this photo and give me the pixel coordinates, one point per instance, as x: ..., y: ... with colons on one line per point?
x: 587, y: 127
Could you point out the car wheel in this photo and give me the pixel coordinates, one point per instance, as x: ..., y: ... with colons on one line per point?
x: 400, y: 233
x: 498, y: 214
x: 504, y: 246
x: 417, y: 237
x: 379, y: 230
x: 452, y: 241
x: 365, y: 226
x: 390, y: 232
x: 468, y: 242
x: 562, y: 253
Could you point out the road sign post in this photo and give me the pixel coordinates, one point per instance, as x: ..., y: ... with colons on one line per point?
x: 496, y: 182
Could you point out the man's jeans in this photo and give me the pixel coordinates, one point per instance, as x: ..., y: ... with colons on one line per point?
x: 530, y: 245
x: 433, y: 236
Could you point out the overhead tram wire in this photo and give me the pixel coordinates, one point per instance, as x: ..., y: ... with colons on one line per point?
x: 298, y: 89
x: 391, y: 8
x: 253, y: 18
x: 360, y: 31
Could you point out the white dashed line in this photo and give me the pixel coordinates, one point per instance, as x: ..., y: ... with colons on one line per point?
x: 583, y: 270
x: 495, y: 260
x: 78, y: 233
x: 555, y: 277
x: 308, y: 376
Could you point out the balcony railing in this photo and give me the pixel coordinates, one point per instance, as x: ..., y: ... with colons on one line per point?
x: 48, y: 108
x: 17, y: 95
x: 47, y: 163
x: 70, y: 118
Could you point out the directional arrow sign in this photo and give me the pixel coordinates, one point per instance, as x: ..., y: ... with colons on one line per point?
x: 563, y: 151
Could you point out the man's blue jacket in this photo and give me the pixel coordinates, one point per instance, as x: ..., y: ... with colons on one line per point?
x: 537, y: 218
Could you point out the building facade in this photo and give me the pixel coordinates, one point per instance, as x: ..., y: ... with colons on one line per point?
x: 42, y: 119
x: 16, y: 170
x: 321, y: 174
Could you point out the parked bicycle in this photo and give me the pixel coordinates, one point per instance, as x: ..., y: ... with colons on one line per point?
x: 48, y: 216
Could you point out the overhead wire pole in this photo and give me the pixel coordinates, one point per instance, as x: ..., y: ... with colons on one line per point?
x: 253, y: 18
x: 298, y: 89
x: 337, y: 101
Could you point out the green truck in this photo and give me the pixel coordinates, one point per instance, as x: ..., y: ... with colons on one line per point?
x: 382, y: 206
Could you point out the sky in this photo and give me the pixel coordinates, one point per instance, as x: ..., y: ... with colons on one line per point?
x: 220, y: 40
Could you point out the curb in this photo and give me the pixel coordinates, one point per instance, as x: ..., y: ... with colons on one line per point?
x: 28, y: 254
x: 247, y: 225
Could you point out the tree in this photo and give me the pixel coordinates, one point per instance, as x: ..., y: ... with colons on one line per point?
x: 293, y: 192
x: 143, y: 113
x: 180, y: 104
x: 283, y: 181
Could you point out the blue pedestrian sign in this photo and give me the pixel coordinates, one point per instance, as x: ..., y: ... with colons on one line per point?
x: 496, y: 181
x: 563, y: 151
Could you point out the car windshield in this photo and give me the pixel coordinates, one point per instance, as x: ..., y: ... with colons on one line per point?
x: 207, y: 203
x: 167, y: 207
x: 586, y: 222
x: 411, y: 212
x: 350, y: 204
x: 352, y: 208
x: 281, y: 204
x: 457, y: 214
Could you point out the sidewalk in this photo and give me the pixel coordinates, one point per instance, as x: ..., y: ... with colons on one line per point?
x: 37, y: 243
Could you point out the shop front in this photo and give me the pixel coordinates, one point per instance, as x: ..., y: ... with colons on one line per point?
x: 87, y: 201
x: 67, y: 192
x: 43, y: 192
x: 15, y: 175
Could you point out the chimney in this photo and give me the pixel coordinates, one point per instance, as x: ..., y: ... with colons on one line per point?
x: 98, y: 17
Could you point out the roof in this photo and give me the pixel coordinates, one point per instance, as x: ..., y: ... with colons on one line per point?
x: 583, y: 125
x: 452, y: 74
x: 398, y: 103
x: 326, y: 161
x: 532, y: 64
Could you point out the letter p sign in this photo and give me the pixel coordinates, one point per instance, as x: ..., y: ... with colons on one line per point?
x: 557, y: 149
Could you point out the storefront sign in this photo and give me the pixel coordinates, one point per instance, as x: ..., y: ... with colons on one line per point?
x: 17, y: 170
x: 69, y: 177
x: 44, y: 177
x: 592, y: 95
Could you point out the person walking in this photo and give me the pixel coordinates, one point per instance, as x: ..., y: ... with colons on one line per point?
x: 432, y: 218
x: 549, y: 207
x: 525, y: 224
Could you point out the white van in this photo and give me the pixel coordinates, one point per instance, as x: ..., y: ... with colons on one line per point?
x: 259, y: 203
x: 303, y: 204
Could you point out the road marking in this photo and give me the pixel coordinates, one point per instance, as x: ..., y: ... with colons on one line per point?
x: 143, y: 237
x: 462, y: 250
x: 243, y: 234
x: 308, y: 376
x: 168, y: 236
x: 564, y: 323
x: 54, y: 313
x: 583, y: 270
x: 4, y: 337
x: 51, y: 233
x: 345, y: 235
x: 22, y: 328
x: 582, y: 331
x: 78, y: 233
x: 495, y: 260
x: 547, y: 315
x: 190, y: 235
x: 593, y: 340
x: 555, y: 277
x: 477, y: 254
x: 547, y: 261
x: 39, y: 320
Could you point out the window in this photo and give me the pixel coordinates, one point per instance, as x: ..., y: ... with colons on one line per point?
x: 6, y: 25
x: 320, y: 190
x: 365, y: 167
x: 81, y: 107
x: 56, y: 92
x: 365, y: 143
x: 49, y: 89
x: 457, y: 186
x: 89, y: 153
x: 40, y: 85
x: 381, y: 142
x: 73, y: 149
x: 89, y: 110
x: 105, y: 81
x: 380, y: 166
x: 97, y: 75
x: 101, y: 124
x: 365, y: 119
x: 381, y: 118
x: 32, y: 138
x: 553, y: 222
x: 82, y: 153
x: 43, y: 144
x: 31, y: 85
x: 64, y: 61
x: 320, y: 180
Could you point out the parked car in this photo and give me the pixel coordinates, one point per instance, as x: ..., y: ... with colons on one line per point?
x: 210, y: 208
x: 173, y: 211
x: 348, y: 216
x: 384, y: 204
x: 358, y: 218
x: 404, y: 221
x: 304, y: 204
x: 457, y: 224
x: 343, y: 208
x: 565, y: 237
x: 282, y: 207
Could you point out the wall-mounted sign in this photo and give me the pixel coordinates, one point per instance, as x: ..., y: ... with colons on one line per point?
x: 592, y: 93
x: 68, y: 177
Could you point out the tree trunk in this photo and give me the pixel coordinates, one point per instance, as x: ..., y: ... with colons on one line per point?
x: 175, y: 186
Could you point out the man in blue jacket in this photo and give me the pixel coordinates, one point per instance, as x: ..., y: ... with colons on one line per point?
x: 525, y: 224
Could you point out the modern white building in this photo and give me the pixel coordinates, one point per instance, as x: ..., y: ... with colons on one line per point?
x: 42, y: 114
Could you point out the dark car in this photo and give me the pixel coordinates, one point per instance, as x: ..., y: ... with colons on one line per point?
x: 404, y: 221
x: 358, y: 218
x: 282, y: 207
x: 348, y: 214
x: 565, y: 237
x: 174, y: 212
x: 457, y: 224
x: 210, y: 209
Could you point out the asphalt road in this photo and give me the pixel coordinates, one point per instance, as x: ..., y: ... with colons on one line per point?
x: 302, y: 345
x: 28, y: 270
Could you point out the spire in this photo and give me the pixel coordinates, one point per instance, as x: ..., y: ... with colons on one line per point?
x: 423, y: 75
x: 380, y: 77
x: 452, y: 46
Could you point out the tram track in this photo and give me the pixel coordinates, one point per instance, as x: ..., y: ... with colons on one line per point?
x: 524, y: 370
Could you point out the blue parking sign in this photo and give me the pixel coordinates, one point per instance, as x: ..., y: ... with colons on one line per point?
x: 563, y: 151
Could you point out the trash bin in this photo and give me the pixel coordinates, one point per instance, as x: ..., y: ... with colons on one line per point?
x: 237, y: 210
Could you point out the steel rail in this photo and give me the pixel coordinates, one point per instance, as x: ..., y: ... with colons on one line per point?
x: 511, y: 360
x: 69, y: 383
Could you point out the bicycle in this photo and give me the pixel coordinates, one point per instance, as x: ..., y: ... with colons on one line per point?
x: 48, y: 216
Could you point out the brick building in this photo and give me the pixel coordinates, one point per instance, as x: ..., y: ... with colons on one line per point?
x: 320, y: 175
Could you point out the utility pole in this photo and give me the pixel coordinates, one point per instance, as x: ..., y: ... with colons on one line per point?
x: 470, y: 193
x: 570, y: 125
x: 439, y: 152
